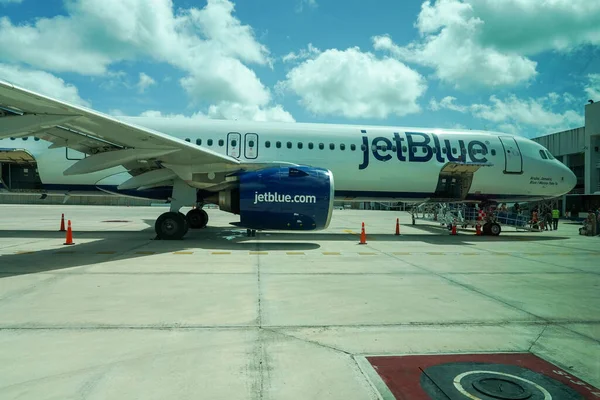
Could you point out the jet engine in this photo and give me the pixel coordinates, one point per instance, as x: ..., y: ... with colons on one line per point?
x: 282, y: 198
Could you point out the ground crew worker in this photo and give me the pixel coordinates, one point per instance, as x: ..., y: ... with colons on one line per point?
x: 555, y: 215
x: 548, y: 220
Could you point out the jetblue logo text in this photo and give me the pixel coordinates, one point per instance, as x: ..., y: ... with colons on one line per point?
x: 418, y: 147
x: 269, y: 197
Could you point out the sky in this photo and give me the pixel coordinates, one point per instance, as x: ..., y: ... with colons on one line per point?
x: 524, y: 67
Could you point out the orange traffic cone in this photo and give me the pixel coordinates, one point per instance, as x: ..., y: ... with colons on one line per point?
x: 454, y: 229
x: 397, y: 226
x: 478, y: 229
x: 363, y: 235
x: 62, y: 223
x: 69, y: 239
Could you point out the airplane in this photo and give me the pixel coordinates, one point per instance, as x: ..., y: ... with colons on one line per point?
x: 275, y: 176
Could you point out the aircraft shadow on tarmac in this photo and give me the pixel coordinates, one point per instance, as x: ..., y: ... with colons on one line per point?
x: 114, y: 246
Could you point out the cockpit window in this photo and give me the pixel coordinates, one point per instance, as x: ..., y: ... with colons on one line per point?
x: 550, y: 156
x: 543, y: 154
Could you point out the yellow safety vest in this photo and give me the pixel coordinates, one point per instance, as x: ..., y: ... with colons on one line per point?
x: 555, y: 213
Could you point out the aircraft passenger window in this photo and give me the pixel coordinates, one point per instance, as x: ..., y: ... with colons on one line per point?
x: 404, y: 148
x: 383, y: 147
x: 454, y: 150
x: 415, y: 149
x: 463, y: 150
x: 251, y: 143
x: 493, y: 152
x: 363, y: 147
x: 342, y: 146
x: 331, y: 146
x: 199, y: 142
x: 289, y: 145
x: 444, y: 150
x: 209, y: 142
x: 267, y: 144
x: 310, y: 145
x: 221, y: 142
x: 321, y: 146
x: 353, y: 147
x: 187, y: 140
x: 278, y: 145
x: 233, y: 143
x: 543, y: 155
x: 12, y: 138
x: 373, y: 147
x: 299, y: 145
x: 394, y: 147
x: 434, y: 150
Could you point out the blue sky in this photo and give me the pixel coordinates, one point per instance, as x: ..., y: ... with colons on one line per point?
x: 520, y: 66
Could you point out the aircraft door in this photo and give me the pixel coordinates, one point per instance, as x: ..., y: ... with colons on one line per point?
x: 251, y: 145
x: 234, y: 144
x: 512, y: 155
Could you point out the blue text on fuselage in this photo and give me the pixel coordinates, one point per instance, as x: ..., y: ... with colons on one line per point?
x: 421, y: 147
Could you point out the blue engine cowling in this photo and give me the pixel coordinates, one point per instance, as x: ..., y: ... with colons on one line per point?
x: 283, y: 198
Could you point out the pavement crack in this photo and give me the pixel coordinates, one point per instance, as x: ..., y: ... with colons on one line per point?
x: 537, y: 338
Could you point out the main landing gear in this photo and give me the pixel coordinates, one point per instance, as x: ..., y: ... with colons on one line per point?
x: 197, y: 218
x: 174, y: 225
x: 491, y: 228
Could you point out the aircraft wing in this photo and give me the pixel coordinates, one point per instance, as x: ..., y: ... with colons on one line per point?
x: 107, y: 141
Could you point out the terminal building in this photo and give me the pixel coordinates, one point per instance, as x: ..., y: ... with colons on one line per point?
x: 579, y: 149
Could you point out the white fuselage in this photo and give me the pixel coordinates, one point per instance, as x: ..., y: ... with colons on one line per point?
x: 367, y: 162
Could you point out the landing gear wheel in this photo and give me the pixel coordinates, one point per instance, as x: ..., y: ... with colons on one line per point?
x: 495, y: 229
x: 486, y: 229
x: 197, y: 218
x: 171, y: 226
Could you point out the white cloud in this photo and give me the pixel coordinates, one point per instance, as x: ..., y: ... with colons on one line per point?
x: 210, y: 44
x: 236, y: 111
x: 448, y: 103
x: 232, y: 111
x: 305, y: 3
x: 43, y: 83
x: 554, y: 97
x: 145, y: 82
x: 486, y: 42
x: 310, y: 52
x: 512, y: 113
x: 568, y: 98
x: 354, y: 84
x: 593, y: 88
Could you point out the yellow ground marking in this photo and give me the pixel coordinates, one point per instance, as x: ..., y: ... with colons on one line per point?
x: 259, y: 252
x: 295, y: 253
x: 332, y: 253
x: 183, y: 252
x: 401, y: 254
x: 435, y: 253
x: 367, y: 254
x: 220, y: 252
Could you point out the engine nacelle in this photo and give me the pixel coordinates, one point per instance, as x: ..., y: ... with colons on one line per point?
x: 282, y: 198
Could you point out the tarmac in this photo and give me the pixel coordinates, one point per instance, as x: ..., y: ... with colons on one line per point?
x: 283, y: 315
